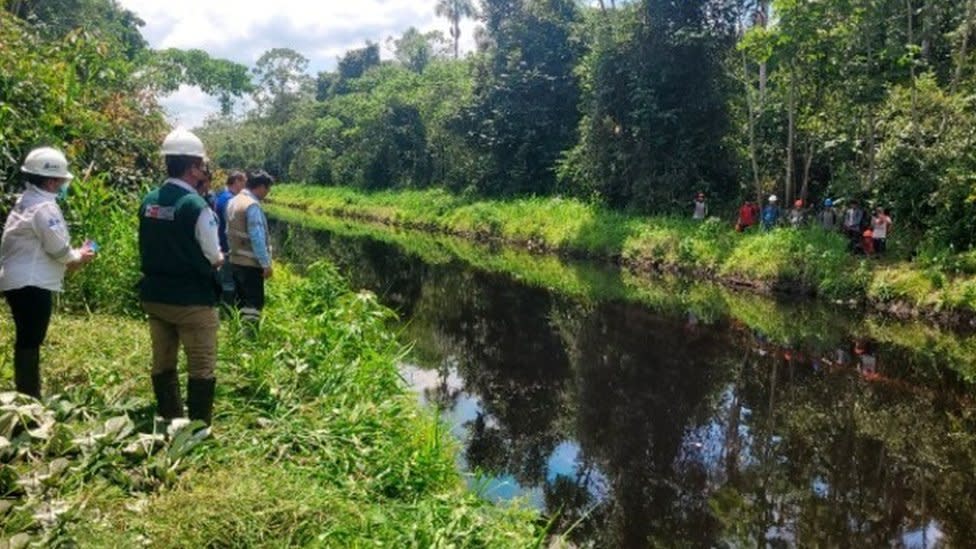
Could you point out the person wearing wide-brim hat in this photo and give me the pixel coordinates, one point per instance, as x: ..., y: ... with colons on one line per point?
x: 35, y: 252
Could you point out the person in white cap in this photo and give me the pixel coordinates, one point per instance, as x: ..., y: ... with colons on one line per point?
x: 770, y: 214
x: 34, y: 253
x: 179, y: 253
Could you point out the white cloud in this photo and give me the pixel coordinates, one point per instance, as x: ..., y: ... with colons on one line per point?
x: 188, y: 106
x: 242, y: 30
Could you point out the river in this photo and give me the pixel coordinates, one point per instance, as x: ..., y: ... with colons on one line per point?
x: 664, y: 413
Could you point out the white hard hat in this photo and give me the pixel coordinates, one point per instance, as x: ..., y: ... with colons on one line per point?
x: 47, y: 162
x: 181, y: 142
x: 772, y: 198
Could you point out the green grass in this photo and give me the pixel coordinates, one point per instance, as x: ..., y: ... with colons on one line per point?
x: 317, y: 442
x: 784, y: 323
x: 797, y: 261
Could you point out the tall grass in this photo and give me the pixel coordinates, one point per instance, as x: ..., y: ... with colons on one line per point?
x: 107, y: 216
x: 805, y: 261
x: 317, y: 440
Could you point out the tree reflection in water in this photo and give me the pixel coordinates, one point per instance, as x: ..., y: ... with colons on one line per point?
x: 662, y: 428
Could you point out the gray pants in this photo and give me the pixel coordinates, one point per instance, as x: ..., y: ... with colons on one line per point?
x: 227, y: 287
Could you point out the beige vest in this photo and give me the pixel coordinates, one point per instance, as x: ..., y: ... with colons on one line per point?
x: 241, y: 251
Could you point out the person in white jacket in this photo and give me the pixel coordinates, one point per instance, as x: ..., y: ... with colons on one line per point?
x: 34, y: 253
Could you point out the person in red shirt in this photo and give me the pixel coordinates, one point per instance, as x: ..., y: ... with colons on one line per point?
x: 747, y: 216
x: 867, y: 242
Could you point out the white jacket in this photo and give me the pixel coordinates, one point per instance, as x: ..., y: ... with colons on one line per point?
x: 35, y: 248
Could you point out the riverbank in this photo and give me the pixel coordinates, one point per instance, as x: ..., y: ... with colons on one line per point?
x: 788, y: 324
x: 808, y: 262
x: 317, y: 440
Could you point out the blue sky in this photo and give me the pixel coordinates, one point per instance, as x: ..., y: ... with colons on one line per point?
x: 242, y: 30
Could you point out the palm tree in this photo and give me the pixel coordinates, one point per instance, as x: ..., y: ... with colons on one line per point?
x: 454, y: 11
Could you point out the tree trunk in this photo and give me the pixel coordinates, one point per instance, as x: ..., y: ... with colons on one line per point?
x: 807, y: 163
x: 752, y: 130
x: 911, y: 69
x: 456, y: 31
x: 762, y: 19
x: 872, y: 150
x: 869, y: 68
x: 790, y: 136
x: 967, y: 28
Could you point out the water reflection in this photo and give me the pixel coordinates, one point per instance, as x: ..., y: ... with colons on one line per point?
x: 636, y: 427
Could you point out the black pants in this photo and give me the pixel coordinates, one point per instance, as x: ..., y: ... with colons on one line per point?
x: 31, y: 308
x: 248, y: 287
x: 880, y: 245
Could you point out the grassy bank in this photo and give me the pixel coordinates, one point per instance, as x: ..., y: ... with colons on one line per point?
x: 797, y: 261
x: 585, y: 281
x: 317, y: 441
x: 786, y: 323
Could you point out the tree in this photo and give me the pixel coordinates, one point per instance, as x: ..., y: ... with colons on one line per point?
x: 415, y: 50
x: 170, y: 68
x: 56, y: 18
x: 524, y: 113
x: 454, y: 11
x: 79, y: 92
x: 355, y: 63
x: 655, y: 108
x: 352, y: 65
x: 281, y: 82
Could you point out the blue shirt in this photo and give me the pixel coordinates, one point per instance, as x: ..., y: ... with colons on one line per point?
x: 770, y: 215
x: 257, y: 231
x: 220, y: 206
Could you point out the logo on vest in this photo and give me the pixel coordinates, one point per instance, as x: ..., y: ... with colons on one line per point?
x: 162, y: 213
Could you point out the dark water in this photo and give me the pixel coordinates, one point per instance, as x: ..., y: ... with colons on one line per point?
x: 635, y: 427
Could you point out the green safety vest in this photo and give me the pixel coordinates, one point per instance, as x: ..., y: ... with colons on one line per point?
x: 174, y: 269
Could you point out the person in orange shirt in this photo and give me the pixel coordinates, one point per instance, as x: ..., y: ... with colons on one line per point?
x: 867, y: 242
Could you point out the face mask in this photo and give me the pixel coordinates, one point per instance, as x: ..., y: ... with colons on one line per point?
x: 63, y: 191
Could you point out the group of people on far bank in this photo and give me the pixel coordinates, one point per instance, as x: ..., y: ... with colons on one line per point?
x: 867, y: 233
x: 193, y: 254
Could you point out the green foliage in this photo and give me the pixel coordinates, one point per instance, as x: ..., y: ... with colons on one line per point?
x: 875, y: 93
x: 97, y: 212
x: 227, y: 80
x: 810, y: 261
x: 58, y: 18
x: 78, y: 93
x: 353, y: 65
x: 523, y: 112
x: 280, y: 84
x: 654, y: 108
x: 927, y: 170
x: 415, y: 50
x: 640, y: 105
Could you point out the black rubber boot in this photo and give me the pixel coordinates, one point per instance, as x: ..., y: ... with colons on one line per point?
x: 27, y: 371
x: 199, y: 399
x: 166, y: 385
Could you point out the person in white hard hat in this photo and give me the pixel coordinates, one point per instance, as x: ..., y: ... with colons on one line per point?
x: 770, y: 214
x: 179, y: 253
x: 34, y: 253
